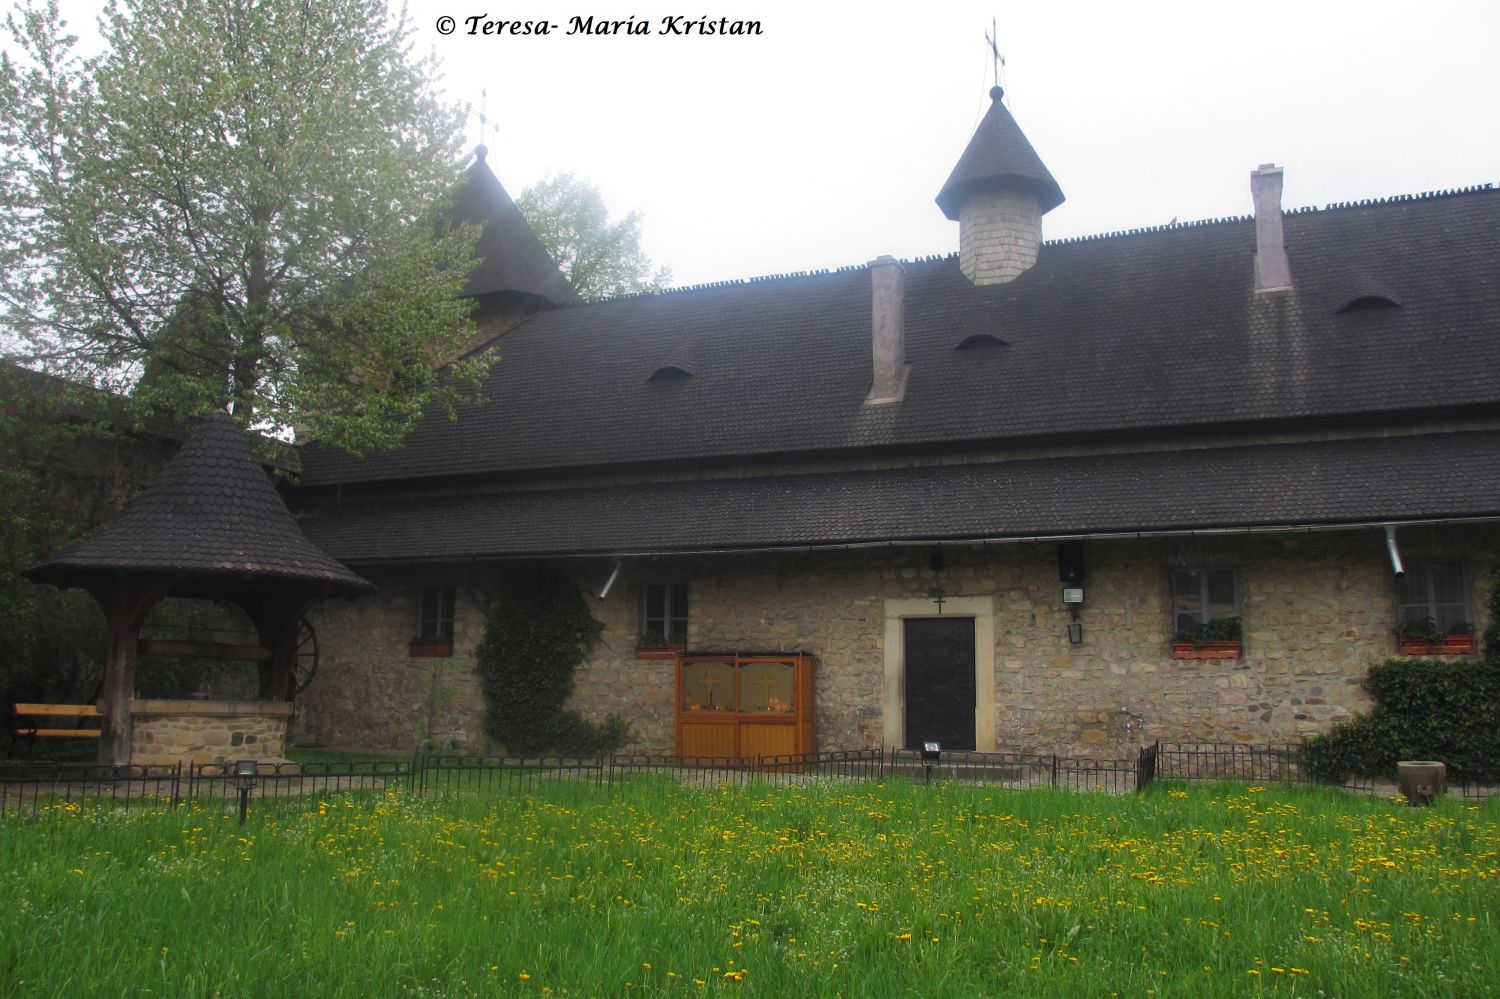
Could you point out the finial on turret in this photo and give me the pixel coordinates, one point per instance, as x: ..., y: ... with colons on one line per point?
x: 997, y: 92
x: 481, y: 151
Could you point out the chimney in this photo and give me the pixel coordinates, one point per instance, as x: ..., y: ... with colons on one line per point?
x: 1272, y: 272
x: 888, y: 330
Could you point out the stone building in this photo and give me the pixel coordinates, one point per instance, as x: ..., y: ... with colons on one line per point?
x: 1179, y: 483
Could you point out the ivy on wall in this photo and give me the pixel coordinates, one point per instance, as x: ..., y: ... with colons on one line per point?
x: 538, y: 628
x: 1426, y: 709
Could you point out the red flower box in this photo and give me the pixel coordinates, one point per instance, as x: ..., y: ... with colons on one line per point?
x: 1452, y: 645
x: 658, y: 650
x: 1206, y: 650
x: 430, y: 648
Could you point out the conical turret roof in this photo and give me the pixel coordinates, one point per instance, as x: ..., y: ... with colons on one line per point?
x: 998, y: 157
x: 509, y: 254
x: 211, y: 520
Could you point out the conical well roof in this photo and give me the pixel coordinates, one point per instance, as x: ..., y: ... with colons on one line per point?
x: 211, y: 520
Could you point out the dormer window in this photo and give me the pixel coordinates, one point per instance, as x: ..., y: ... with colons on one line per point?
x: 1367, y: 303
x: 670, y: 372
x: 980, y: 341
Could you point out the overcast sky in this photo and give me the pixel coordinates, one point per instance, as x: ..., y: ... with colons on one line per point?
x: 823, y: 141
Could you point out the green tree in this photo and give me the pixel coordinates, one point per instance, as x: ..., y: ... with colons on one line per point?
x: 601, y: 258
x: 241, y: 201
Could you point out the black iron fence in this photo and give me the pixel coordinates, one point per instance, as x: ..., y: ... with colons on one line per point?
x: 67, y: 786
x: 37, y: 788
x: 1021, y: 770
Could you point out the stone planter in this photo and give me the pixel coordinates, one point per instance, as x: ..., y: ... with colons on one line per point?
x: 1421, y: 780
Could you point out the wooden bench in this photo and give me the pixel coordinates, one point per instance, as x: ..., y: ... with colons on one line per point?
x: 39, y: 714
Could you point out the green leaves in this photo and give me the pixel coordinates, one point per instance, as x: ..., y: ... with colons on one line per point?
x: 233, y: 206
x: 537, y: 630
x: 602, y: 259
x: 1428, y: 709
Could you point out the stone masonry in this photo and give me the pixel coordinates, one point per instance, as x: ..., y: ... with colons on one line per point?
x: 999, y: 234
x: 209, y: 731
x: 1317, y: 609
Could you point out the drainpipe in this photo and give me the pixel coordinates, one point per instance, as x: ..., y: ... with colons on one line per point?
x: 1395, y: 553
x: 610, y: 581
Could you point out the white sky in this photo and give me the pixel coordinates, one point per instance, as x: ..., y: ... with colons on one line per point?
x: 823, y: 141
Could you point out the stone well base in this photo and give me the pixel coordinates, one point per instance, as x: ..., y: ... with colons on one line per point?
x: 207, y: 731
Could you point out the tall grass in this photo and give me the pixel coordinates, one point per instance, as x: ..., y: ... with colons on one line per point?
x: 864, y: 889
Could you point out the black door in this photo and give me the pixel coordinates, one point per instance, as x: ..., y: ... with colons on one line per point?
x: 940, y: 682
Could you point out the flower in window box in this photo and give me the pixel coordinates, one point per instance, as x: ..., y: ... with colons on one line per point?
x: 1217, y: 639
x: 430, y: 648
x: 1423, y: 637
x: 653, y: 644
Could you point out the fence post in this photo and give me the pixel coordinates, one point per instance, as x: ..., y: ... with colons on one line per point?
x: 176, y: 784
x: 1054, y: 769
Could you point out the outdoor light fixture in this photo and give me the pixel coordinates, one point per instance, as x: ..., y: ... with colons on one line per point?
x: 1073, y: 599
x: 931, y: 751
x: 246, y: 773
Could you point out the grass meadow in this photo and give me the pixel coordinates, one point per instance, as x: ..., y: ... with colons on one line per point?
x: 829, y: 889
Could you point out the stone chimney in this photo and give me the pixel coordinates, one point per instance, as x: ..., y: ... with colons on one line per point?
x: 997, y: 194
x: 888, y: 330
x: 1272, y: 272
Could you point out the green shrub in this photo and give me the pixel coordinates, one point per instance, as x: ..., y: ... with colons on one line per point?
x: 538, y: 628
x: 1426, y: 709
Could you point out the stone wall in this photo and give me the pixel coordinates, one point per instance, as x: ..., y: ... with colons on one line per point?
x: 207, y: 731
x: 1317, y: 608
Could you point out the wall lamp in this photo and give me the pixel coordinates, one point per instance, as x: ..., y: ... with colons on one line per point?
x: 1073, y: 598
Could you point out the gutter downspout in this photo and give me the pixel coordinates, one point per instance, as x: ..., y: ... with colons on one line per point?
x: 1394, y: 552
x: 610, y: 581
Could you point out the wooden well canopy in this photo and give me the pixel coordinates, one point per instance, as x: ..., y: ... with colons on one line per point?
x: 210, y: 526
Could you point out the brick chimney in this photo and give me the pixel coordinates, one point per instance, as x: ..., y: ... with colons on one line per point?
x: 1272, y: 272
x: 888, y: 330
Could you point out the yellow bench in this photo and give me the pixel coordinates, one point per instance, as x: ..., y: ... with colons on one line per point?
x: 36, y: 712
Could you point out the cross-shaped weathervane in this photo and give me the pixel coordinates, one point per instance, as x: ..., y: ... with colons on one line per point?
x: 995, y: 49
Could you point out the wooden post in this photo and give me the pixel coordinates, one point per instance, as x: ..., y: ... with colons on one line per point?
x: 125, y: 608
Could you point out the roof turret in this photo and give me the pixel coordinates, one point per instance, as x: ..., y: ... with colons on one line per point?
x: 510, y: 256
x: 998, y: 158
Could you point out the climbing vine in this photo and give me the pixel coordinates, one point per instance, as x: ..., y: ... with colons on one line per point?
x: 538, y: 628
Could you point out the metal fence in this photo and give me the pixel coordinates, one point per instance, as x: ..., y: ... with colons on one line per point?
x: 1020, y: 770
x: 205, y: 781
x: 37, y: 788
x: 66, y: 786
x: 443, y: 774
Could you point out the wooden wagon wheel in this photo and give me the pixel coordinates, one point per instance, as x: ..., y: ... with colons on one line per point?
x: 305, y: 659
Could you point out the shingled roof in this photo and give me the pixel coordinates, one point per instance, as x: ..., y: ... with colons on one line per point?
x: 511, y: 258
x: 212, y: 517
x: 1147, y: 332
x: 998, y: 157
x: 1277, y: 485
